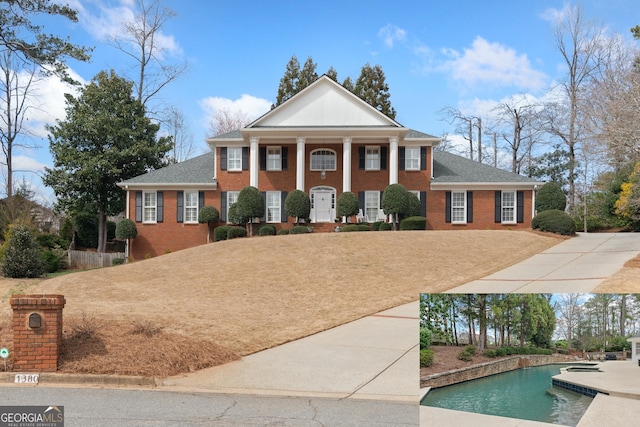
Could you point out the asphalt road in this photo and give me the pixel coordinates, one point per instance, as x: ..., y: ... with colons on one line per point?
x: 91, y: 407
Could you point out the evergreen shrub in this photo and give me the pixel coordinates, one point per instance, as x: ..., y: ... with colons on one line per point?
x: 554, y: 221
x: 267, y: 230
x: 21, y: 254
x: 299, y: 229
x: 490, y: 353
x: 425, y: 338
x: 550, y: 197
x: 283, y: 232
x: 414, y: 223
x: 235, y: 232
x: 220, y: 233
x: 385, y: 226
x: 426, y: 358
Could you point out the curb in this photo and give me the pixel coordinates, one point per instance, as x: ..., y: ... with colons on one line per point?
x: 46, y: 378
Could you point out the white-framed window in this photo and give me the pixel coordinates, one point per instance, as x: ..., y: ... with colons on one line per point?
x: 323, y: 159
x: 149, y: 207
x: 459, y: 207
x: 412, y: 158
x: 191, y: 207
x: 371, y: 205
x: 273, y: 206
x: 509, y: 207
x: 232, y: 197
x: 274, y: 158
x: 234, y: 158
x: 372, y: 159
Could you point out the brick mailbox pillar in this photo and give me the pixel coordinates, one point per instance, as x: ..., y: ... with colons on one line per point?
x: 37, y: 331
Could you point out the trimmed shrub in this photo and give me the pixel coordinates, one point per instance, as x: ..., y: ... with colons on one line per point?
x: 297, y: 204
x: 363, y: 227
x: 299, y: 229
x: 234, y: 232
x: 283, y: 232
x: 550, y: 197
x: 126, y: 229
x: 489, y: 353
x: 220, y: 233
x: 347, y: 205
x: 414, y: 223
x: 425, y: 338
x: 267, y: 230
x: 376, y: 225
x: 464, y: 355
x: 554, y: 221
x: 385, y: 226
x: 349, y: 227
x: 117, y: 261
x: 208, y: 215
x: 426, y: 358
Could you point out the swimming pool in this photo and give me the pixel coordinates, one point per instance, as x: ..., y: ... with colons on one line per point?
x: 524, y: 394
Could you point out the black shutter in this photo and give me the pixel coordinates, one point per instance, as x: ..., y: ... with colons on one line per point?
x: 245, y: 158
x: 200, y: 199
x: 361, y: 200
x: 223, y: 158
x: 401, y: 158
x: 264, y: 200
x: 283, y: 212
x: 361, y: 154
x: 447, y: 207
x: 223, y: 206
x: 285, y: 159
x: 263, y: 158
x: 138, y: 206
x: 383, y: 158
x: 423, y: 203
x: 159, y: 206
x: 180, y: 206
x: 520, y: 206
x: 381, y: 194
x: 469, y: 207
x: 498, y: 202
x: 423, y: 158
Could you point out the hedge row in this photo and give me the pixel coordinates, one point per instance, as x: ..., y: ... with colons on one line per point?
x: 228, y: 232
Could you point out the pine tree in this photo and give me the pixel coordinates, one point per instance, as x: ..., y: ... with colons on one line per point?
x: 372, y: 88
x: 288, y: 82
x: 307, y: 76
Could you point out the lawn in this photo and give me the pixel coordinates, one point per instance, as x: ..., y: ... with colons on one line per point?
x: 241, y: 296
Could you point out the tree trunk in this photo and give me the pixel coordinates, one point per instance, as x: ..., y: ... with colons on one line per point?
x: 102, y: 231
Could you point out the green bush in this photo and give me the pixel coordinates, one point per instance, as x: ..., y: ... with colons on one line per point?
x: 376, y: 225
x: 51, y: 261
x: 86, y: 225
x: 349, y: 227
x: 550, y: 197
x: 111, y: 230
x: 363, y: 227
x: 21, y: 255
x: 489, y: 353
x: 347, y: 205
x: 283, y: 232
x: 220, y: 233
x: 117, y: 261
x: 126, y: 229
x: 425, y: 338
x: 66, y: 231
x: 234, y: 232
x: 50, y: 241
x: 500, y: 352
x: 299, y: 229
x: 385, y: 226
x: 297, y: 204
x: 426, y: 358
x: 554, y: 221
x: 267, y: 230
x: 414, y: 223
x: 465, y: 356
x: 471, y: 349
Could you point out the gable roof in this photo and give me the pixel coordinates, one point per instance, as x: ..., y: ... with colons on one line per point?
x: 451, y: 171
x: 197, y: 172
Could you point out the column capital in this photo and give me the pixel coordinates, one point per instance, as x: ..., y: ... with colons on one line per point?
x: 347, y: 139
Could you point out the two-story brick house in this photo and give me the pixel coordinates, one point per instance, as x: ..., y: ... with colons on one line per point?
x: 323, y: 141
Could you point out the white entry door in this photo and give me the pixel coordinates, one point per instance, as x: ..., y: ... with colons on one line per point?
x: 323, y: 204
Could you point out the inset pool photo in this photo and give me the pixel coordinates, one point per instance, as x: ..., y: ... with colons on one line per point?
x: 529, y: 359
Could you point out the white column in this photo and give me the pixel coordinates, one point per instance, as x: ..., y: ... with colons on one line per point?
x: 346, y: 164
x: 300, y: 166
x: 253, y: 162
x: 393, y: 160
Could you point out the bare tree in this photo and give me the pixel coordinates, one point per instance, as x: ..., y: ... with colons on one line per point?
x: 569, y: 310
x: 580, y: 44
x: 18, y: 78
x: 464, y: 126
x: 226, y: 120
x: 141, y: 40
x: 174, y: 123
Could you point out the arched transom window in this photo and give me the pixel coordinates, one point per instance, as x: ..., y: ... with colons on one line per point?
x: 323, y: 159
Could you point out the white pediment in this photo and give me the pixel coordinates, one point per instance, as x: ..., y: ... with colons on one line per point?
x: 325, y: 103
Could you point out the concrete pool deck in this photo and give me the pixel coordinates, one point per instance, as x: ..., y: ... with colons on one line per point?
x: 618, y: 378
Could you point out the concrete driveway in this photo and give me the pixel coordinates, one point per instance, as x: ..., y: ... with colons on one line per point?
x: 577, y: 265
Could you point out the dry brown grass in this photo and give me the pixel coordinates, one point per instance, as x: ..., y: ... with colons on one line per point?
x: 246, y: 295
x: 624, y: 280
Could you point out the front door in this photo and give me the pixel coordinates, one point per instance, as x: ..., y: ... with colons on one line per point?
x: 323, y: 204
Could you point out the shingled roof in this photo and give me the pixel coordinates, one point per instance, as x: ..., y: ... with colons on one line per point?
x: 452, y: 169
x: 198, y: 171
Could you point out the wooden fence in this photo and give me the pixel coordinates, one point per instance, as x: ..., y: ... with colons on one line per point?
x: 88, y: 260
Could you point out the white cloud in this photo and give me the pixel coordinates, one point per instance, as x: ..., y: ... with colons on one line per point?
x: 555, y: 16
x: 250, y: 105
x: 391, y: 34
x: 27, y: 163
x: 493, y: 64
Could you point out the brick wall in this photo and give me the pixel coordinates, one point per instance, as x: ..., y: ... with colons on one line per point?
x: 37, y: 349
x: 489, y: 368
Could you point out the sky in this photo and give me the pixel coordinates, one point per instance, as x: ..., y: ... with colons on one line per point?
x: 463, y: 54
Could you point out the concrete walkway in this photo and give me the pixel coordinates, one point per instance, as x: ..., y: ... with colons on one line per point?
x: 375, y: 357
x: 577, y: 265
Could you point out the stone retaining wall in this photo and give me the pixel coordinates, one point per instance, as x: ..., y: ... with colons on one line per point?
x: 490, y: 368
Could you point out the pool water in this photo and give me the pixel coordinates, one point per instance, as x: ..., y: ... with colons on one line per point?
x: 524, y: 394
